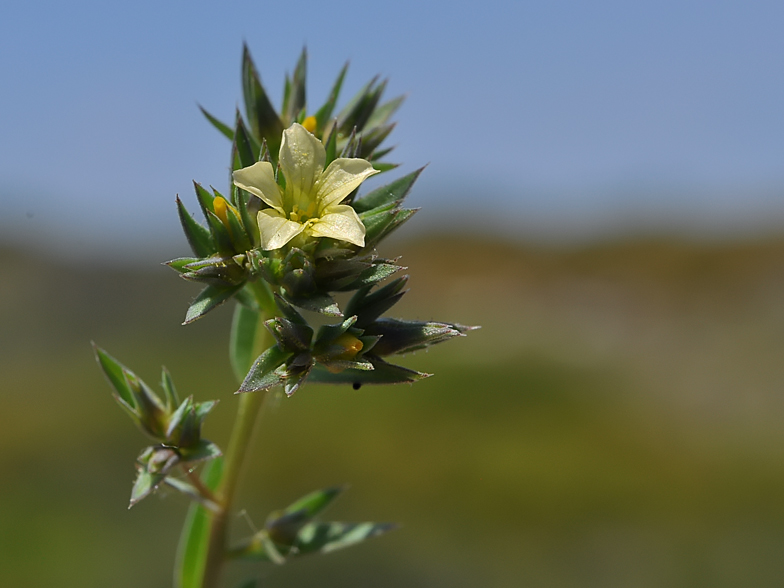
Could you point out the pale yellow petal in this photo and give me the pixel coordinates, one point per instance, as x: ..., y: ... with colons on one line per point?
x: 340, y: 178
x: 259, y: 179
x: 340, y: 222
x: 302, y: 158
x: 276, y: 230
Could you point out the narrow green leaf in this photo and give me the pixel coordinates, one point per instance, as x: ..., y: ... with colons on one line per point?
x: 247, y: 151
x: 262, y: 374
x: 222, y: 127
x: 199, y: 237
x: 208, y: 299
x: 382, y: 373
x: 399, y: 336
x: 383, y: 167
x: 312, y: 504
x: 262, y: 118
x: 372, y: 139
x: 192, y: 548
x: 114, y: 372
x: 296, y: 98
x: 369, y: 306
x: 244, y: 337
x: 382, y: 114
x: 202, y: 451
x: 321, y: 303
x: 205, y: 199
x: 220, y: 234
x: 179, y: 264
x: 325, y: 112
x: 350, y: 111
x: 379, y: 153
x: 326, y: 537
x: 391, y: 193
x: 169, y: 391
x: 375, y: 232
x: 374, y: 274
x: 144, y: 485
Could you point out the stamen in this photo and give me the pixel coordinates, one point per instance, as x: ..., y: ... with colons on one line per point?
x: 310, y: 124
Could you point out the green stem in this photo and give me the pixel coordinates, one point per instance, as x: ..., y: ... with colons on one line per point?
x: 250, y: 405
x: 249, y: 409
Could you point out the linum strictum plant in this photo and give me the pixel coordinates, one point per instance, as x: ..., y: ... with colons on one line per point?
x: 289, y: 234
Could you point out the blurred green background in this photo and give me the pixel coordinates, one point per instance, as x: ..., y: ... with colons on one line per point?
x: 616, y: 422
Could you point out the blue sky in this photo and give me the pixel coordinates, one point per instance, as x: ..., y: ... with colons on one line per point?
x: 533, y: 116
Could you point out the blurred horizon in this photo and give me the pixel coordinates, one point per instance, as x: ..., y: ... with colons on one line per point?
x: 554, y: 119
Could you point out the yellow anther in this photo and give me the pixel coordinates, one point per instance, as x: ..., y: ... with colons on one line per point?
x: 350, y: 344
x: 310, y: 124
x: 221, y: 209
x: 220, y: 206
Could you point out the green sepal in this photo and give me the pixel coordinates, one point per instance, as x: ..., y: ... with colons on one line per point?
x: 297, y: 371
x: 262, y: 118
x: 368, y: 306
x: 372, y: 139
x: 184, y: 430
x: 178, y: 264
x: 328, y: 333
x: 325, y: 112
x: 246, y: 148
x: 383, y: 167
x: 294, y: 98
x: 205, y: 199
x: 361, y: 105
x: 193, y: 544
x: 220, y: 234
x: 382, y: 373
x: 378, y: 226
x: 331, y: 147
x: 237, y: 234
x: 384, y: 112
x: 321, y: 303
x: 263, y: 374
x: 153, y: 465
x: 115, y: 373
x: 290, y: 336
x: 378, y: 154
x: 199, y: 237
x: 380, y: 270
x: 209, y: 298
x: 289, y: 311
x: 202, y: 451
x: 339, y: 365
x: 398, y: 336
x: 222, y: 127
x: 391, y: 193
x: 169, y: 391
x: 144, y: 485
x: 218, y: 271
x: 250, y: 224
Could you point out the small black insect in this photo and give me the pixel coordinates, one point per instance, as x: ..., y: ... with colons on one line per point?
x: 356, y: 385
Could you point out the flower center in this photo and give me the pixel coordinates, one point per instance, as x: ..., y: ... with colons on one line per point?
x: 303, y: 217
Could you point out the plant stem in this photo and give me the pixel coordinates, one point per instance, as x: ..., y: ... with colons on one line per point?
x: 249, y: 409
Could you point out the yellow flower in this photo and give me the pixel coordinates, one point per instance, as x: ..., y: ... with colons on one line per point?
x: 310, y: 203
